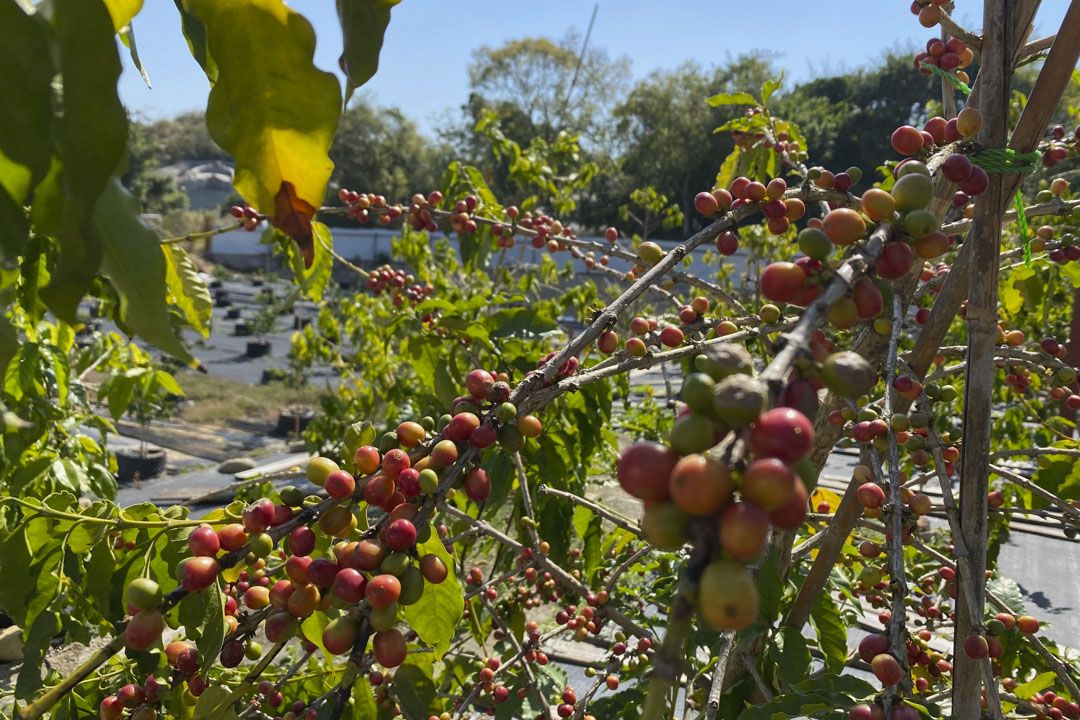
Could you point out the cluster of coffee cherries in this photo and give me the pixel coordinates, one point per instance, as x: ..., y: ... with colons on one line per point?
x: 779, y: 211
x: 909, y: 140
x: 1061, y: 147
x: 383, y: 568
x: 1065, y: 252
x: 671, y: 336
x: 530, y: 590
x: 1018, y: 376
x: 488, y: 393
x: 401, y: 287
x: 930, y: 272
x: 1050, y: 704
x: 929, y: 667
x: 800, y: 283
x: 950, y: 55
x: 637, y: 346
x: 141, y: 700
x: 689, y: 496
x: 928, y: 11
x: 550, y: 233
x: 248, y: 214
x: 362, y: 205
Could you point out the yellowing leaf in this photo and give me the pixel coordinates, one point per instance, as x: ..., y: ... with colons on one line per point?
x: 122, y: 11
x: 727, y: 170
x: 736, y: 98
x: 189, y: 292
x: 821, y: 494
x: 271, y: 108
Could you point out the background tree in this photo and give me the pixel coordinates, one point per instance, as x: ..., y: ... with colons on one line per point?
x: 379, y: 147
x: 665, y: 127
x: 185, y: 137
x: 545, y: 82
x: 156, y: 190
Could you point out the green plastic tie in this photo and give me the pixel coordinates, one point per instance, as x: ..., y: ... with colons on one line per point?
x: 956, y: 82
x: 1021, y: 220
x: 1006, y: 161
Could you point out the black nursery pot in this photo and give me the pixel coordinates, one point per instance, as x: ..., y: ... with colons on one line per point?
x: 132, y: 465
x: 258, y: 348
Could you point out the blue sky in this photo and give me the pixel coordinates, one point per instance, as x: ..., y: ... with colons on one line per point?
x: 429, y: 42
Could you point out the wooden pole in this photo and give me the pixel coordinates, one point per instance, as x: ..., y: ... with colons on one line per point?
x: 994, y: 76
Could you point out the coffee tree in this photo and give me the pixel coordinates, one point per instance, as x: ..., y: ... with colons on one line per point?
x: 443, y: 538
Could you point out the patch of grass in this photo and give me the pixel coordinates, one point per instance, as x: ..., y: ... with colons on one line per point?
x: 217, y: 400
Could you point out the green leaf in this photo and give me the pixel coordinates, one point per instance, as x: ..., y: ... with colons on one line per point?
x: 68, y: 475
x: 1012, y: 297
x: 738, y: 98
x: 770, y: 587
x: 213, y: 698
x: 203, y: 617
x: 769, y: 88
x: 312, y: 628
x: 793, y: 705
x: 14, y: 225
x: 1037, y: 684
x: 136, y: 266
x: 363, y: 24
x: 582, y: 517
x: 591, y: 551
x: 615, y: 706
x: 479, y: 631
x: 444, y: 380
x: 831, y: 632
x: 531, y: 320
x: 121, y: 391
x: 829, y: 682
x: 502, y: 475
x: 435, y: 615
x: 555, y: 528
x: 91, y: 137
x: 188, y: 290
x: 1060, y: 474
x: 9, y: 343
x: 99, y: 572
x: 790, y: 655
x: 35, y: 276
x: 364, y: 705
x: 19, y: 579
x: 26, y: 113
x: 1008, y: 591
x: 271, y: 109
x: 195, y: 34
x: 415, y: 691
x: 35, y: 643
x: 127, y: 36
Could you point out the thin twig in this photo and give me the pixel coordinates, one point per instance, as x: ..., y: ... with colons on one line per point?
x: 608, y: 514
